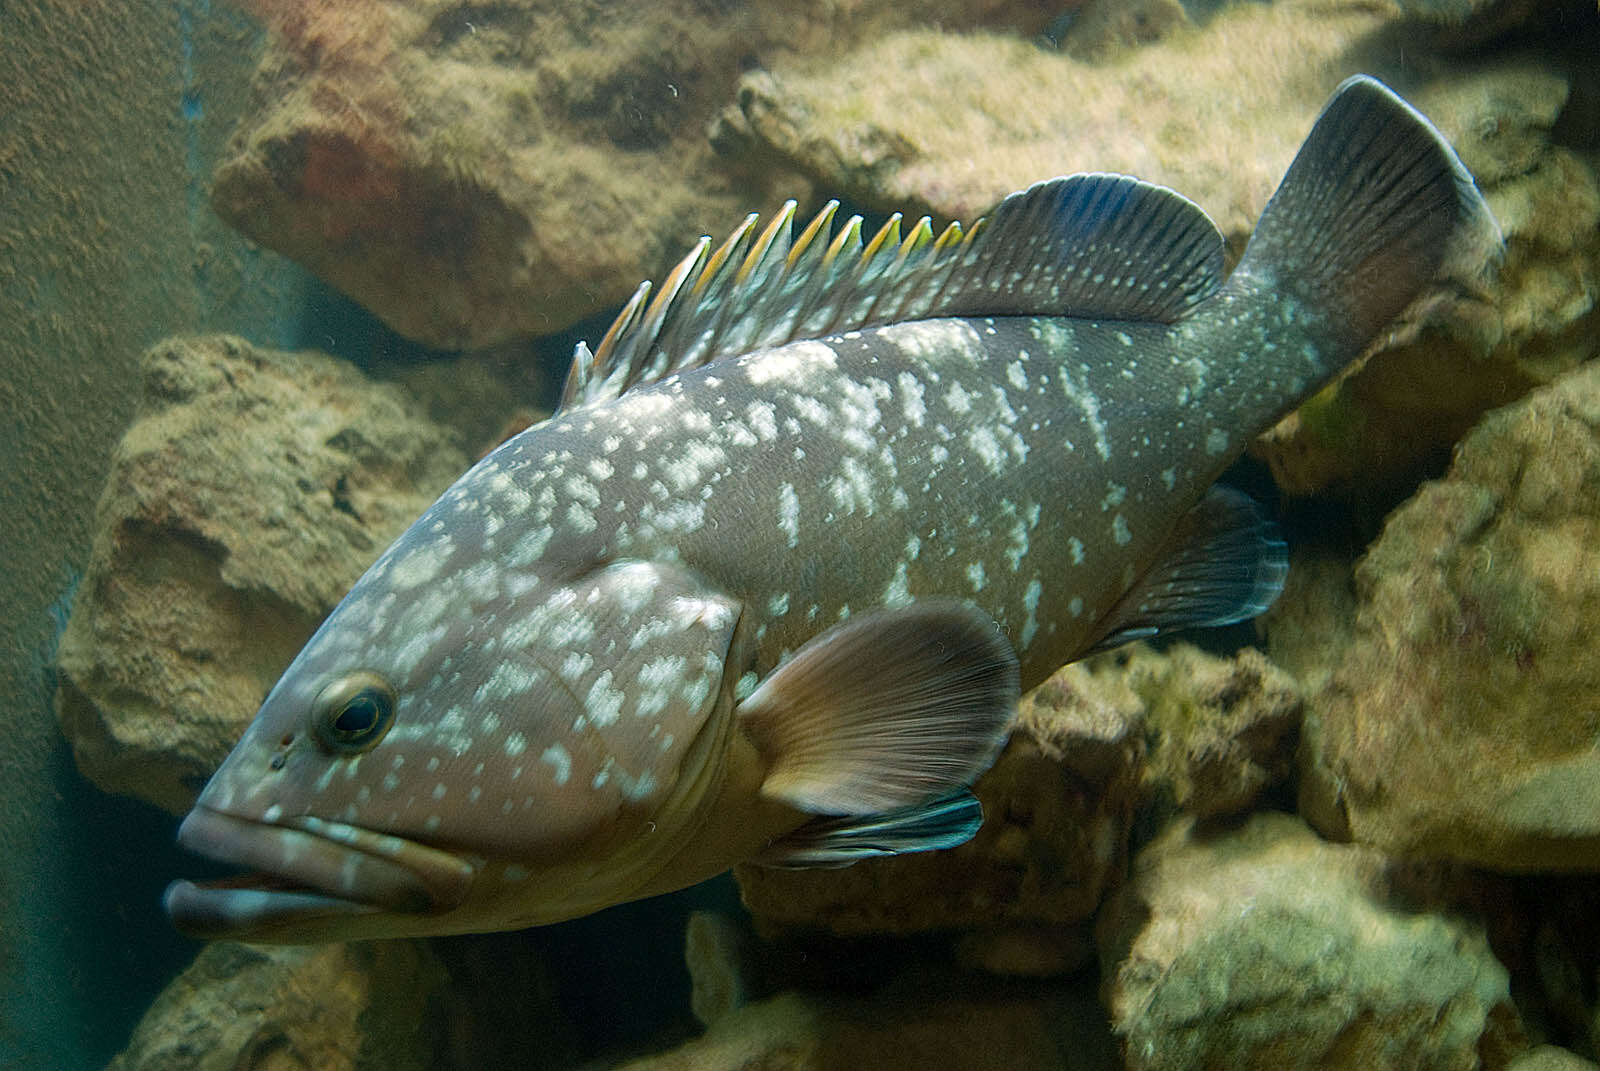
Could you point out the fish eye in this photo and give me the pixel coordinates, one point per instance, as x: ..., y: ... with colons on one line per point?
x: 351, y: 714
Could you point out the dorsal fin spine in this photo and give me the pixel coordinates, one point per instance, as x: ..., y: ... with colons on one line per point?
x: 1090, y: 246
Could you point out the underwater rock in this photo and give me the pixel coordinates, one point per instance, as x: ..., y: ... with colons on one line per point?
x: 1313, y: 619
x: 1369, y: 435
x: 921, y: 1022
x: 1106, y: 28
x: 719, y: 952
x: 1466, y: 23
x: 253, y: 489
x: 969, y: 118
x: 1266, y: 947
x: 1057, y: 806
x: 350, y: 1007
x: 1461, y: 721
x: 1221, y: 730
x: 475, y: 172
x: 1551, y: 1058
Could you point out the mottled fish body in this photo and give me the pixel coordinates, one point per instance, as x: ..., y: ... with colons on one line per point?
x: 768, y: 584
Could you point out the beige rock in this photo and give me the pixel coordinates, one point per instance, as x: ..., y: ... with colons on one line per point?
x: 252, y: 491
x: 1222, y: 730
x: 1107, y: 28
x: 1551, y: 1058
x: 475, y: 172
x: 718, y: 951
x: 1462, y: 719
x: 946, y: 1024
x: 1265, y: 947
x: 1214, y: 112
x: 357, y: 1007
x: 1057, y: 806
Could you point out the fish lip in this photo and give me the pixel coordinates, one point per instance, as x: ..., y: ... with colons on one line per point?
x: 306, y: 869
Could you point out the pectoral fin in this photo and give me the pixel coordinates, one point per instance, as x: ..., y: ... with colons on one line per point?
x: 885, y: 712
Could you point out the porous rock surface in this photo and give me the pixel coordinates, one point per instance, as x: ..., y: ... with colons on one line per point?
x: 1462, y: 719
x: 356, y: 1007
x: 917, y: 1023
x: 1263, y: 946
x: 476, y: 172
x: 251, y: 492
x: 1221, y: 731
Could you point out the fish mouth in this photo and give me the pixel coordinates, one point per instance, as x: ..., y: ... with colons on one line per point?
x: 303, y: 872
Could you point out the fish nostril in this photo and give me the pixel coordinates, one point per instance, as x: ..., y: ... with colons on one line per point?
x: 276, y: 762
x: 288, y: 738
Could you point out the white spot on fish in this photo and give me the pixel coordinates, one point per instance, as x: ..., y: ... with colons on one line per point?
x: 1216, y: 441
x: 1030, y: 603
x: 778, y: 605
x: 763, y: 420
x: 911, y: 404
x: 1119, y: 530
x: 1075, y: 549
x: 975, y: 576
x: 604, y: 702
x: 983, y: 443
x: 789, y: 513
x: 560, y: 762
x: 516, y: 744
x: 897, y: 593
x: 1075, y: 607
x: 958, y: 400
x: 421, y: 564
x: 789, y: 364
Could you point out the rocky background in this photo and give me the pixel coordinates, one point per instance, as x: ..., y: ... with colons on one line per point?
x: 1371, y: 839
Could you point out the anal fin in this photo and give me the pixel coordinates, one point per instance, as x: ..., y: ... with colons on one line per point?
x: 946, y: 822
x: 1226, y: 562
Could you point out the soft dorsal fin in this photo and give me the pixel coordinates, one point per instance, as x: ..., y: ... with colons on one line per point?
x: 1094, y: 246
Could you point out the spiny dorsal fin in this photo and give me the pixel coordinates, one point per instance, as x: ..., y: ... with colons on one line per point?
x: 1091, y: 246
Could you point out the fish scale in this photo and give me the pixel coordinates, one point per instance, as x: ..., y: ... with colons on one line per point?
x: 766, y: 588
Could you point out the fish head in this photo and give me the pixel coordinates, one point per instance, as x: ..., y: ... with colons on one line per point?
x: 465, y: 747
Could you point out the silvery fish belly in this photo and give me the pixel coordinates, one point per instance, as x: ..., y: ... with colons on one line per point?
x: 767, y: 585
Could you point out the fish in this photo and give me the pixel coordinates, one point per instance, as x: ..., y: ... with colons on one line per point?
x: 767, y: 585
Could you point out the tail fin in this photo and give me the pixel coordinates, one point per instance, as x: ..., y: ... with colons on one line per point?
x: 1375, y: 208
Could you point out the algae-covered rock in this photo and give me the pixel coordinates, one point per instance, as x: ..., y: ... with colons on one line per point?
x: 1221, y: 730
x: 252, y: 491
x: 1462, y: 720
x: 377, y: 1006
x: 1551, y: 1058
x: 475, y: 172
x: 969, y: 118
x: 1266, y: 947
x: 1056, y: 804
